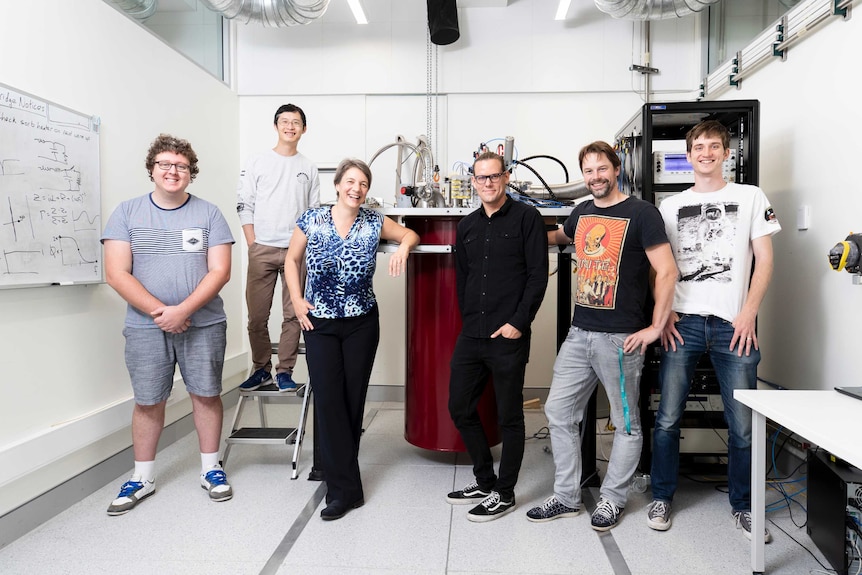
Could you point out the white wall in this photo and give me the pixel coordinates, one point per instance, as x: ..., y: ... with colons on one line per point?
x: 810, y: 121
x: 64, y: 383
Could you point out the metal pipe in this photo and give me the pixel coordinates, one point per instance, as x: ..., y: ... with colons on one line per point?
x: 567, y: 191
x: 140, y: 9
x: 271, y: 13
x: 651, y: 9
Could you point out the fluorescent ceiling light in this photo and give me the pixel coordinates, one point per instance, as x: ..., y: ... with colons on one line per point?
x: 358, y: 12
x: 562, y: 9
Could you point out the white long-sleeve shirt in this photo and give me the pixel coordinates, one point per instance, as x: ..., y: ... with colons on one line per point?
x: 274, y: 190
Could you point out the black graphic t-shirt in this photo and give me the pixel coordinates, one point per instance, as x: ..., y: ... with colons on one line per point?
x: 612, y: 288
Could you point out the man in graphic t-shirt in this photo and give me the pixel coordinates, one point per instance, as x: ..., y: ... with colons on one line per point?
x: 715, y: 228
x: 617, y: 240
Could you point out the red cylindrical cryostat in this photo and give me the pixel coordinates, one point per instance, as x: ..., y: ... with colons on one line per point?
x: 433, y: 325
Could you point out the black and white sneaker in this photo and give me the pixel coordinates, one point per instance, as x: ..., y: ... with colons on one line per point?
x: 470, y: 494
x: 552, y: 508
x: 491, y: 508
x: 606, y: 515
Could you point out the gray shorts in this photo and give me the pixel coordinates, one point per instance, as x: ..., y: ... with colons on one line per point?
x: 152, y: 354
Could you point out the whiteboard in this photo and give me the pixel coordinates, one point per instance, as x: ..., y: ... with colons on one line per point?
x: 50, y: 207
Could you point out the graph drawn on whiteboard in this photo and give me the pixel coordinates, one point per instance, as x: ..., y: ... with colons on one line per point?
x: 50, y: 204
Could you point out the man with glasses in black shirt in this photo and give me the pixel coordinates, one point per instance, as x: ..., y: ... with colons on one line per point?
x: 501, y: 267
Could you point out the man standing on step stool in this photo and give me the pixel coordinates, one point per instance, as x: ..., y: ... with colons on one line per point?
x: 274, y: 189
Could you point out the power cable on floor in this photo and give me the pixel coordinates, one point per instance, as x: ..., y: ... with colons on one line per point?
x: 801, y: 545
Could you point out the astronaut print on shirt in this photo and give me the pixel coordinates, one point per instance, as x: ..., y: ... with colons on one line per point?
x: 706, y: 236
x: 598, y: 244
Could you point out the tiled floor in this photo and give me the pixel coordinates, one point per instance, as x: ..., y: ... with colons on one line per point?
x: 272, y: 524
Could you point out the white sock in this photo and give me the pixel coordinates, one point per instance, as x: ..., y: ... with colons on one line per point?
x: 208, y: 461
x: 146, y: 470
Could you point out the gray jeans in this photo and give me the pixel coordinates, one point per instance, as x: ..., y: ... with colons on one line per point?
x: 585, y: 358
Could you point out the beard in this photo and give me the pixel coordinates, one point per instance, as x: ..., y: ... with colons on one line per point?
x: 601, y: 192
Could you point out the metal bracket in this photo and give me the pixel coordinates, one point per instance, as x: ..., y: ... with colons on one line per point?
x: 643, y: 69
x: 734, y: 71
x: 780, y: 28
x: 838, y: 11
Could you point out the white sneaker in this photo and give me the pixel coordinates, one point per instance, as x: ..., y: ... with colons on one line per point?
x: 131, y: 492
x: 215, y: 482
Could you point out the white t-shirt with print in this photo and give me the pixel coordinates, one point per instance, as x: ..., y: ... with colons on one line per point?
x: 711, y: 234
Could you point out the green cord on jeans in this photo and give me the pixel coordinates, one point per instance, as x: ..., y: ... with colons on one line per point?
x: 623, y: 395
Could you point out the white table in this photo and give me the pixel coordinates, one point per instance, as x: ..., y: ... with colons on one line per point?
x: 827, y: 418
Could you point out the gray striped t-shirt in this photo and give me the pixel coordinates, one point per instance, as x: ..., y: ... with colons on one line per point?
x: 169, y: 252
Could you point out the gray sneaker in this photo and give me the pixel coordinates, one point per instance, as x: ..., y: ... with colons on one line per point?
x: 743, y: 521
x: 658, y: 515
x: 551, y: 509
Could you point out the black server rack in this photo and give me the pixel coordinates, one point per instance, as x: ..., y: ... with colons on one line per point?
x: 646, y: 137
x: 651, y: 146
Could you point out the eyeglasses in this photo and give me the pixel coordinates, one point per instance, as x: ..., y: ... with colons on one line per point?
x: 493, y: 177
x: 292, y: 123
x: 166, y: 166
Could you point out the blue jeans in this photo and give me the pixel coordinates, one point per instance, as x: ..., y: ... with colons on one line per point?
x: 712, y: 335
x: 585, y: 359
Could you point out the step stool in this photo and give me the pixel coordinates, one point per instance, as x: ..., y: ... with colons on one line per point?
x: 271, y: 435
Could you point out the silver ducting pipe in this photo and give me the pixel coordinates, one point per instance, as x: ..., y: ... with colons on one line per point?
x: 651, y: 9
x: 270, y: 13
x: 567, y: 191
x: 140, y: 9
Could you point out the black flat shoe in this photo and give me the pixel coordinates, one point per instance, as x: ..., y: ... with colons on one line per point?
x: 338, y: 509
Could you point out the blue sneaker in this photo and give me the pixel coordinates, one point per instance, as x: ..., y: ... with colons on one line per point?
x: 285, y: 382
x: 215, y: 482
x: 132, y: 491
x: 255, y: 380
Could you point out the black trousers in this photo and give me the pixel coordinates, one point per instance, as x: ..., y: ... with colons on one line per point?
x: 340, y: 354
x: 473, y: 360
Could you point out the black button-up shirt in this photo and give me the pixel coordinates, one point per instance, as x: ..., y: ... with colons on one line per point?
x: 501, y: 267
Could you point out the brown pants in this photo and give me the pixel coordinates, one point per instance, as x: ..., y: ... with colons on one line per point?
x: 265, y: 264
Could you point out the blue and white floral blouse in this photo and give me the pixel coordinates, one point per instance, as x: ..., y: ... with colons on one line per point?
x: 340, y: 270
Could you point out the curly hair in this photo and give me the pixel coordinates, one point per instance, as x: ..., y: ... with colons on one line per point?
x: 168, y: 143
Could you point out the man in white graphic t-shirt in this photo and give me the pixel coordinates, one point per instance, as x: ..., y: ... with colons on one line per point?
x: 715, y: 229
